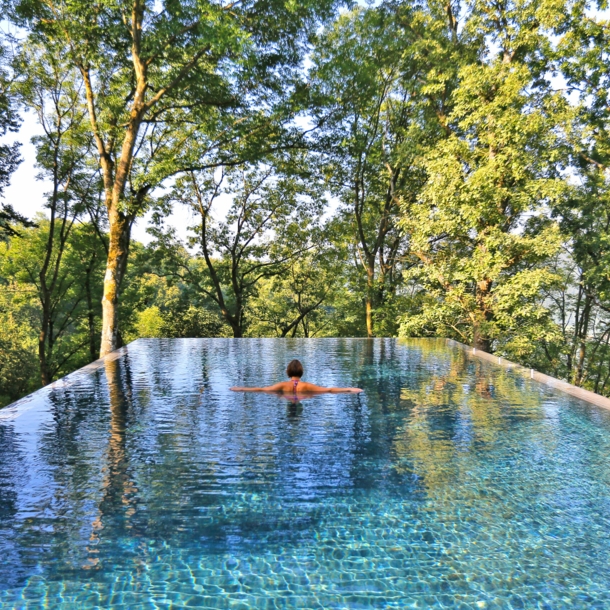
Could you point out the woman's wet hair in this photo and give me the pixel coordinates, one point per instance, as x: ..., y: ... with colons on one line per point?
x: 294, y: 369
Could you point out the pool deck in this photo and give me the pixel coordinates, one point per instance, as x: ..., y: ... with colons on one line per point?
x: 564, y: 386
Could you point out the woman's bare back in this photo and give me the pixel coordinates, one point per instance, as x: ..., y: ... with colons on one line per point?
x: 302, y: 387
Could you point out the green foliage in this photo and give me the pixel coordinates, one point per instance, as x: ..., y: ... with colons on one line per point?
x: 382, y: 82
x: 158, y: 303
x: 193, y: 322
x: 291, y: 304
x: 10, y: 219
x: 271, y: 220
x: 78, y: 271
x: 477, y: 230
x: 149, y: 323
x: 18, y: 363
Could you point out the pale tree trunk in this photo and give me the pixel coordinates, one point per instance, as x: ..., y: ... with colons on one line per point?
x: 120, y: 233
x: 370, y: 289
x: 369, y: 316
x: 370, y: 248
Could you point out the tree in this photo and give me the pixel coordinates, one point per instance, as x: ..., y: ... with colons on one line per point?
x: 85, y: 258
x: 51, y: 88
x: 582, y: 58
x: 379, y: 96
x: 269, y: 223
x: 153, y: 74
x: 582, y: 301
x: 60, y: 317
x: 478, y: 228
x: 158, y: 302
x: 292, y: 302
x: 10, y: 219
x: 18, y: 363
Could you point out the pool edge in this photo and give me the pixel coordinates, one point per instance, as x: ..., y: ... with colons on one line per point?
x: 15, y: 409
x: 558, y: 384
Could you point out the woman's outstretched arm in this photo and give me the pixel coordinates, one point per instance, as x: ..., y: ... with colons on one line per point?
x: 270, y: 388
x: 318, y: 389
x: 303, y: 388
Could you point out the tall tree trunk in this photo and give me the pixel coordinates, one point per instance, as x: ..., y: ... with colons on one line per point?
x: 370, y: 288
x: 118, y: 251
x: 45, y: 377
x: 583, y: 332
x: 480, y: 340
x: 305, y: 326
x: 90, y: 312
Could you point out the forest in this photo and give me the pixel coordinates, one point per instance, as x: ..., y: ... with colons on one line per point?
x: 404, y: 168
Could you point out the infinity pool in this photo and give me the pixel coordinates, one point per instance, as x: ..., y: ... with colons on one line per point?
x: 450, y: 483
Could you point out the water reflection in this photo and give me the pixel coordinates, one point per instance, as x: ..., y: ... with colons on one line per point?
x: 467, y: 407
x: 445, y: 472
x: 11, y: 470
x: 117, y: 487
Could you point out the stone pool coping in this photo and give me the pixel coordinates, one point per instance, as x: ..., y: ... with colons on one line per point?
x: 558, y: 384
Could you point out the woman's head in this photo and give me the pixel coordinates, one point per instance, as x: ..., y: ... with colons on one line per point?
x: 294, y: 369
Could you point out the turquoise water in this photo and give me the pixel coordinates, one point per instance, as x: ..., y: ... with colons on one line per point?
x: 450, y: 483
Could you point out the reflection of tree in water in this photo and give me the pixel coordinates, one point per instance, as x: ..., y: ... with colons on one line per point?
x: 457, y: 414
x: 72, y: 448
x: 119, y: 491
x: 53, y: 499
x: 383, y: 367
x: 9, y: 469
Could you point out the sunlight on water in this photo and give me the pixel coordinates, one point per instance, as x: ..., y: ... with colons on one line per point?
x: 450, y: 483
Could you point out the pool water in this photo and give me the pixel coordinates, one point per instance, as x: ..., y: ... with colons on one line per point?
x: 449, y: 483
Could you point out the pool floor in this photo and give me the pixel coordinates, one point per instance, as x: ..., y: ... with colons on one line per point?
x: 448, y: 483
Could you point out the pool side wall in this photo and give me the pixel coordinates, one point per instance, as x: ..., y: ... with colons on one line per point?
x: 27, y: 402
x: 568, y: 388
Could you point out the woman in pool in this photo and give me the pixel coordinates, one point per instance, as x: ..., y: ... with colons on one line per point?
x: 295, y: 386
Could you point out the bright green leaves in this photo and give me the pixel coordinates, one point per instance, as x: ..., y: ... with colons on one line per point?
x: 477, y: 229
